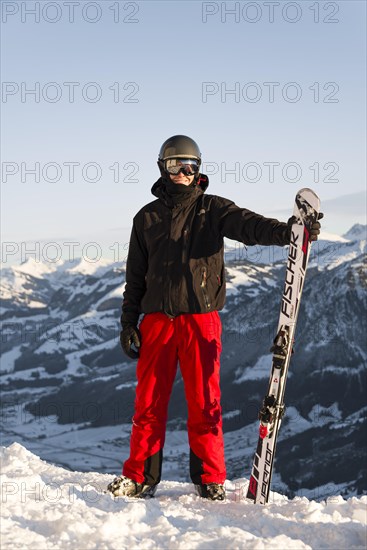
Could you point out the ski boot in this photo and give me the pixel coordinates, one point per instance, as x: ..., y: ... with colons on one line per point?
x: 125, y: 487
x: 211, y: 491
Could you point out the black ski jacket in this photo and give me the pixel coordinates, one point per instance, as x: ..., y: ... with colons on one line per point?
x: 175, y: 262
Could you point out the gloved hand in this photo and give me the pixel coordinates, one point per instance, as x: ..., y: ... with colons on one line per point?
x: 315, y: 227
x: 130, y: 336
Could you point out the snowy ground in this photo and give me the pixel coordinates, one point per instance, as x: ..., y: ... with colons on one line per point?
x: 48, y: 507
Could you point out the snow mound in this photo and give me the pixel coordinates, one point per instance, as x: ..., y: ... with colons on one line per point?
x: 44, y: 506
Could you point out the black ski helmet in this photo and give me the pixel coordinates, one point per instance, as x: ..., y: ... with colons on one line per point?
x: 178, y: 147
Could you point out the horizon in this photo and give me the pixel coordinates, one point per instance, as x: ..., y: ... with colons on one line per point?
x: 35, y: 255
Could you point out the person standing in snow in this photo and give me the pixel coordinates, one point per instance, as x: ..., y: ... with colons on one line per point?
x: 175, y: 278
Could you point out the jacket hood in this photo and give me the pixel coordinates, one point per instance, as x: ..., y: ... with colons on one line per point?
x: 161, y: 191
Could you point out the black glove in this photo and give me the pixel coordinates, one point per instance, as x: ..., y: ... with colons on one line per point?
x: 130, y: 336
x: 315, y: 227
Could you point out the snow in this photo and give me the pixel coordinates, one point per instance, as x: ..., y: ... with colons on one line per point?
x: 36, y: 268
x: 332, y: 237
x: 126, y: 385
x: 257, y: 372
x: 48, y: 507
x: 355, y: 418
x: 8, y: 359
x: 294, y: 423
x: 91, y: 267
x: 238, y: 276
x: 320, y: 416
x: 357, y: 232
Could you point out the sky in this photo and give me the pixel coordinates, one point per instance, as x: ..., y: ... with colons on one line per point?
x: 273, y: 93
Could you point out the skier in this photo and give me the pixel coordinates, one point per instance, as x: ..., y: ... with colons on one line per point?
x: 175, y: 278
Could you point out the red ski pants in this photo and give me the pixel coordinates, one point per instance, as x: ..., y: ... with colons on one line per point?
x: 195, y: 341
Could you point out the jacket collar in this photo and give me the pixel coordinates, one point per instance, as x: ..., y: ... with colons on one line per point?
x: 189, y: 195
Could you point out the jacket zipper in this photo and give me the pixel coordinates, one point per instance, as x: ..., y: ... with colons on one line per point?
x: 185, y: 242
x: 167, y: 306
x: 204, y: 287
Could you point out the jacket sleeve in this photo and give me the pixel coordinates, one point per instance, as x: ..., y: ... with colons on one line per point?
x: 248, y: 227
x: 136, y: 269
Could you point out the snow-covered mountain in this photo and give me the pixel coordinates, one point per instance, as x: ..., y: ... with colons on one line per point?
x: 45, y: 506
x: 68, y: 390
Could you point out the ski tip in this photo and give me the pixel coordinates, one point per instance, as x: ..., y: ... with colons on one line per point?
x: 308, y: 191
x: 310, y: 197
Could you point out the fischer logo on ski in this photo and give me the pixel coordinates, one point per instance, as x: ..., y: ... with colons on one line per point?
x: 306, y: 210
x: 289, y: 278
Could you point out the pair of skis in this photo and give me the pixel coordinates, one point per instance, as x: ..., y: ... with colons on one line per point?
x: 306, y: 211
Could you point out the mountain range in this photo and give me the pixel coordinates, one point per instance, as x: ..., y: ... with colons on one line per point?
x: 68, y: 391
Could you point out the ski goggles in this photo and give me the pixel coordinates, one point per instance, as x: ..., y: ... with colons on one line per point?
x: 189, y: 167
